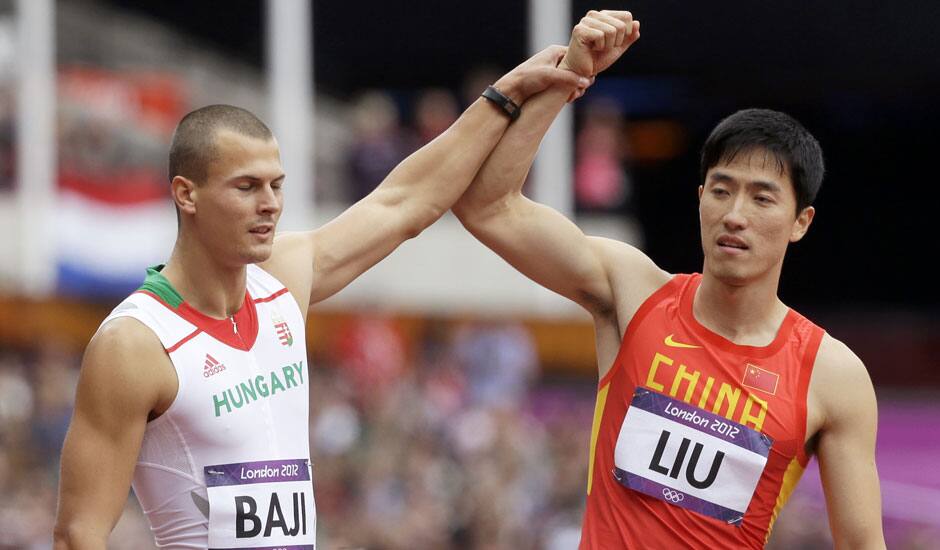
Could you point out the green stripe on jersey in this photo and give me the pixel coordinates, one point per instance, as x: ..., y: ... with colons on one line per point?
x: 160, y: 285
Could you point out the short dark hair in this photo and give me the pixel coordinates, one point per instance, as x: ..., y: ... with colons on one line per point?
x: 780, y: 135
x: 193, y: 146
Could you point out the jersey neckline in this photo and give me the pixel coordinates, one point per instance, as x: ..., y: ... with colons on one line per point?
x: 238, y: 331
x: 719, y: 341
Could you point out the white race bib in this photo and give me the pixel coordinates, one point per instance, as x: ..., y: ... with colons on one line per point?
x: 261, y: 505
x: 689, y: 457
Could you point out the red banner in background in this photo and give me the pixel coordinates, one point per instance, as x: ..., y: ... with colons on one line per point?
x: 151, y: 101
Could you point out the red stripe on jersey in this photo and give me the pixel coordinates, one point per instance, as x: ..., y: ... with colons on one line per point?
x: 177, y: 345
x: 271, y: 297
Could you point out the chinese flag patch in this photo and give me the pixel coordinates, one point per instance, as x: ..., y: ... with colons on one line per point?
x: 760, y: 379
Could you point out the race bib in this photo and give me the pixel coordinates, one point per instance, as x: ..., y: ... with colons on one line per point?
x: 261, y: 505
x: 689, y: 457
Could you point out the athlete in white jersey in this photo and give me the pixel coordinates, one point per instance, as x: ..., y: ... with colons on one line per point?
x: 203, y: 402
x: 229, y: 452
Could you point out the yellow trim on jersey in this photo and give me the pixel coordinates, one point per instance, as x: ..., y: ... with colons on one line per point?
x: 595, y: 429
x: 790, y: 478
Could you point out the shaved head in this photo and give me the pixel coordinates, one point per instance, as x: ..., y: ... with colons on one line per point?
x: 193, y: 147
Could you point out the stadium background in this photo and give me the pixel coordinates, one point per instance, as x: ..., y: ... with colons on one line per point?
x: 451, y: 398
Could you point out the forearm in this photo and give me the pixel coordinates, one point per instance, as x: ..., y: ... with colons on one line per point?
x: 429, y: 181
x: 504, y: 172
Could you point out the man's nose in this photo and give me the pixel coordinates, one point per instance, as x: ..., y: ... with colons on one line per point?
x: 270, y: 202
x: 735, y: 218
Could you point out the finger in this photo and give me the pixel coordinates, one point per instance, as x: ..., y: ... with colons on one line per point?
x: 582, y: 89
x: 548, y: 56
x: 623, y: 27
x: 634, y: 33
x: 624, y: 16
x: 591, y: 37
x: 608, y: 31
x: 599, y: 21
x: 555, y: 53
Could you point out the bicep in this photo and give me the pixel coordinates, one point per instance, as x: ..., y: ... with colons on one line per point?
x: 548, y: 248
x: 846, y: 452
x: 316, y: 264
x: 359, y: 238
x: 101, y: 447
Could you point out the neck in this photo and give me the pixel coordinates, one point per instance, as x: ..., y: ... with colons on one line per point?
x: 213, y: 288
x: 748, y: 314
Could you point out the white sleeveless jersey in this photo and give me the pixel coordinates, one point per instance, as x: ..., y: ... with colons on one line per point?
x: 228, y: 464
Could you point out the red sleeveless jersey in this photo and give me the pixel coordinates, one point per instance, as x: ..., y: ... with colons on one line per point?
x: 697, y: 442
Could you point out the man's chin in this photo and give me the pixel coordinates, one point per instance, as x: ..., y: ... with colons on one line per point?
x: 731, y: 276
x: 257, y: 254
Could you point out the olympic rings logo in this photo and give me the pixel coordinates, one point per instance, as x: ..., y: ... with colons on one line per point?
x: 673, y: 496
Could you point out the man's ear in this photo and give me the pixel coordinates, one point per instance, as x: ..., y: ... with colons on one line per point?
x: 184, y: 194
x: 802, y: 223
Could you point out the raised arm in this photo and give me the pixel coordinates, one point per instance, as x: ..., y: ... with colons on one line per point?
x: 538, y: 241
x: 124, y: 378
x: 845, y: 446
x: 415, y: 194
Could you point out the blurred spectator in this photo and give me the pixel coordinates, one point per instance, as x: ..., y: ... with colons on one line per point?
x: 378, y: 142
x: 371, y: 352
x: 475, y: 81
x: 435, y: 110
x: 16, y: 396
x: 601, y: 180
x: 56, y: 377
x: 499, y: 360
x: 7, y: 136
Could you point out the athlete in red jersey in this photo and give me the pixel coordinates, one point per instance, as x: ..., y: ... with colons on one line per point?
x: 713, y: 393
x: 715, y: 429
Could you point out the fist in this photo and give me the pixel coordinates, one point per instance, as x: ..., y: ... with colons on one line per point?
x: 599, y: 39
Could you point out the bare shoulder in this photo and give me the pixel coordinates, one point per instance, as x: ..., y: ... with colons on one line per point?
x: 291, y: 262
x: 837, y: 364
x: 120, y: 337
x: 840, y: 383
x: 633, y: 276
x: 125, y: 365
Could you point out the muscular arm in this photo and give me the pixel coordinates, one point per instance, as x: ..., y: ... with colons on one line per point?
x: 415, y: 194
x: 538, y: 241
x: 122, y: 381
x: 846, y: 446
x: 535, y: 239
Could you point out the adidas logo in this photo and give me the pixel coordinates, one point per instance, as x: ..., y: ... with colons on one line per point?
x: 212, y: 366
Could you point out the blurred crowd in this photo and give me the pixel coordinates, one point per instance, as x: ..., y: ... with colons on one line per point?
x: 457, y: 450
x: 451, y: 440
x: 386, y: 128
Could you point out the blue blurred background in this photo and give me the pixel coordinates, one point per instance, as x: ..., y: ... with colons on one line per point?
x: 451, y: 398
